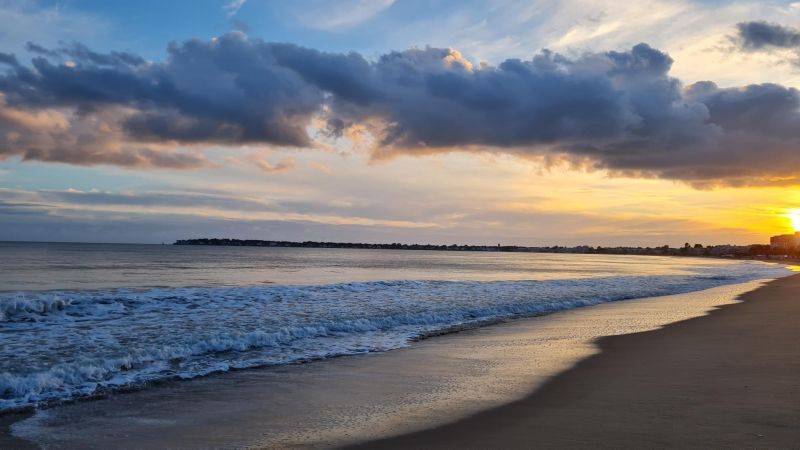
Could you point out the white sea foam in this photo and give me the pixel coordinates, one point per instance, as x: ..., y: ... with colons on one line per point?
x: 63, y: 345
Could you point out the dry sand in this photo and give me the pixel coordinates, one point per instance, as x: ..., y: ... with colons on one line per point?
x: 727, y: 380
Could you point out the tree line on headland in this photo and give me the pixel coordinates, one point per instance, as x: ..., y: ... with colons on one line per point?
x: 720, y: 251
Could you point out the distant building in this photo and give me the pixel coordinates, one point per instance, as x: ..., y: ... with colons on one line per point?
x: 785, y: 241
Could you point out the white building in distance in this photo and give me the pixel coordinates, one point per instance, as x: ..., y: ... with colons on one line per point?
x: 785, y: 241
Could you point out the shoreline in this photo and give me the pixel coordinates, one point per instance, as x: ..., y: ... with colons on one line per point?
x: 724, y: 251
x: 629, y: 291
x: 434, y: 381
x: 726, y: 379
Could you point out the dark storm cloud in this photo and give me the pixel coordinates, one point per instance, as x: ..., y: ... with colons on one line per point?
x: 758, y: 35
x: 618, y: 110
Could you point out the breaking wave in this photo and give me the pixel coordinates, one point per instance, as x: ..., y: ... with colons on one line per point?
x: 63, y: 345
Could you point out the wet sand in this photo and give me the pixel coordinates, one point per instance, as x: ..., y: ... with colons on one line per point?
x: 7, y: 440
x: 727, y: 380
x: 356, y: 399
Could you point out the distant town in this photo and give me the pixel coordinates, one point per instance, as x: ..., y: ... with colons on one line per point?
x: 783, y: 246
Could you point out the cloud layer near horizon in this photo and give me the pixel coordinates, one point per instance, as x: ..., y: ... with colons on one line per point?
x: 618, y: 111
x: 156, y: 216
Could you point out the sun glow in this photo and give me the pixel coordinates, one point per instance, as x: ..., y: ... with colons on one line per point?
x: 794, y: 217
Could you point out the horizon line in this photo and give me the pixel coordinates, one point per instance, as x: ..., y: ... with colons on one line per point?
x: 166, y: 243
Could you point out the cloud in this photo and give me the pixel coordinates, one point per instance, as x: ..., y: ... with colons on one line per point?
x: 281, y: 166
x: 327, y: 15
x: 322, y: 168
x: 22, y: 21
x: 84, y: 199
x: 233, y: 7
x: 759, y: 35
x: 86, y: 216
x: 67, y: 136
x: 769, y: 39
x: 58, y: 206
x: 120, y: 109
x: 618, y: 111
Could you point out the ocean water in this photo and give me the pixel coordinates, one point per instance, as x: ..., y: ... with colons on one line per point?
x: 79, y: 320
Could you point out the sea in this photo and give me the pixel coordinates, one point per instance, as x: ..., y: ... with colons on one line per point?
x: 83, y: 320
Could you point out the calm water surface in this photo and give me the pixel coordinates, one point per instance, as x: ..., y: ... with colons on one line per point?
x: 57, y: 266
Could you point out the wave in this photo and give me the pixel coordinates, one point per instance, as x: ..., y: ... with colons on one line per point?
x: 23, y: 308
x: 65, y: 345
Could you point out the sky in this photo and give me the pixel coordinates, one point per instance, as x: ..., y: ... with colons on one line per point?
x: 477, y: 122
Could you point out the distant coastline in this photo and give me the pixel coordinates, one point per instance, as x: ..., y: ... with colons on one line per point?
x: 755, y: 251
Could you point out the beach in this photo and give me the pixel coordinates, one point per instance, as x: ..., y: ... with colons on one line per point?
x: 245, y: 224
x: 727, y: 380
x: 724, y: 379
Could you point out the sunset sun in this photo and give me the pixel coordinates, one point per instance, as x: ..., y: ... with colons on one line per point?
x: 794, y: 217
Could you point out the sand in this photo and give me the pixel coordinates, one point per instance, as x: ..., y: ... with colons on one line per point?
x: 727, y: 380
x: 7, y: 440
